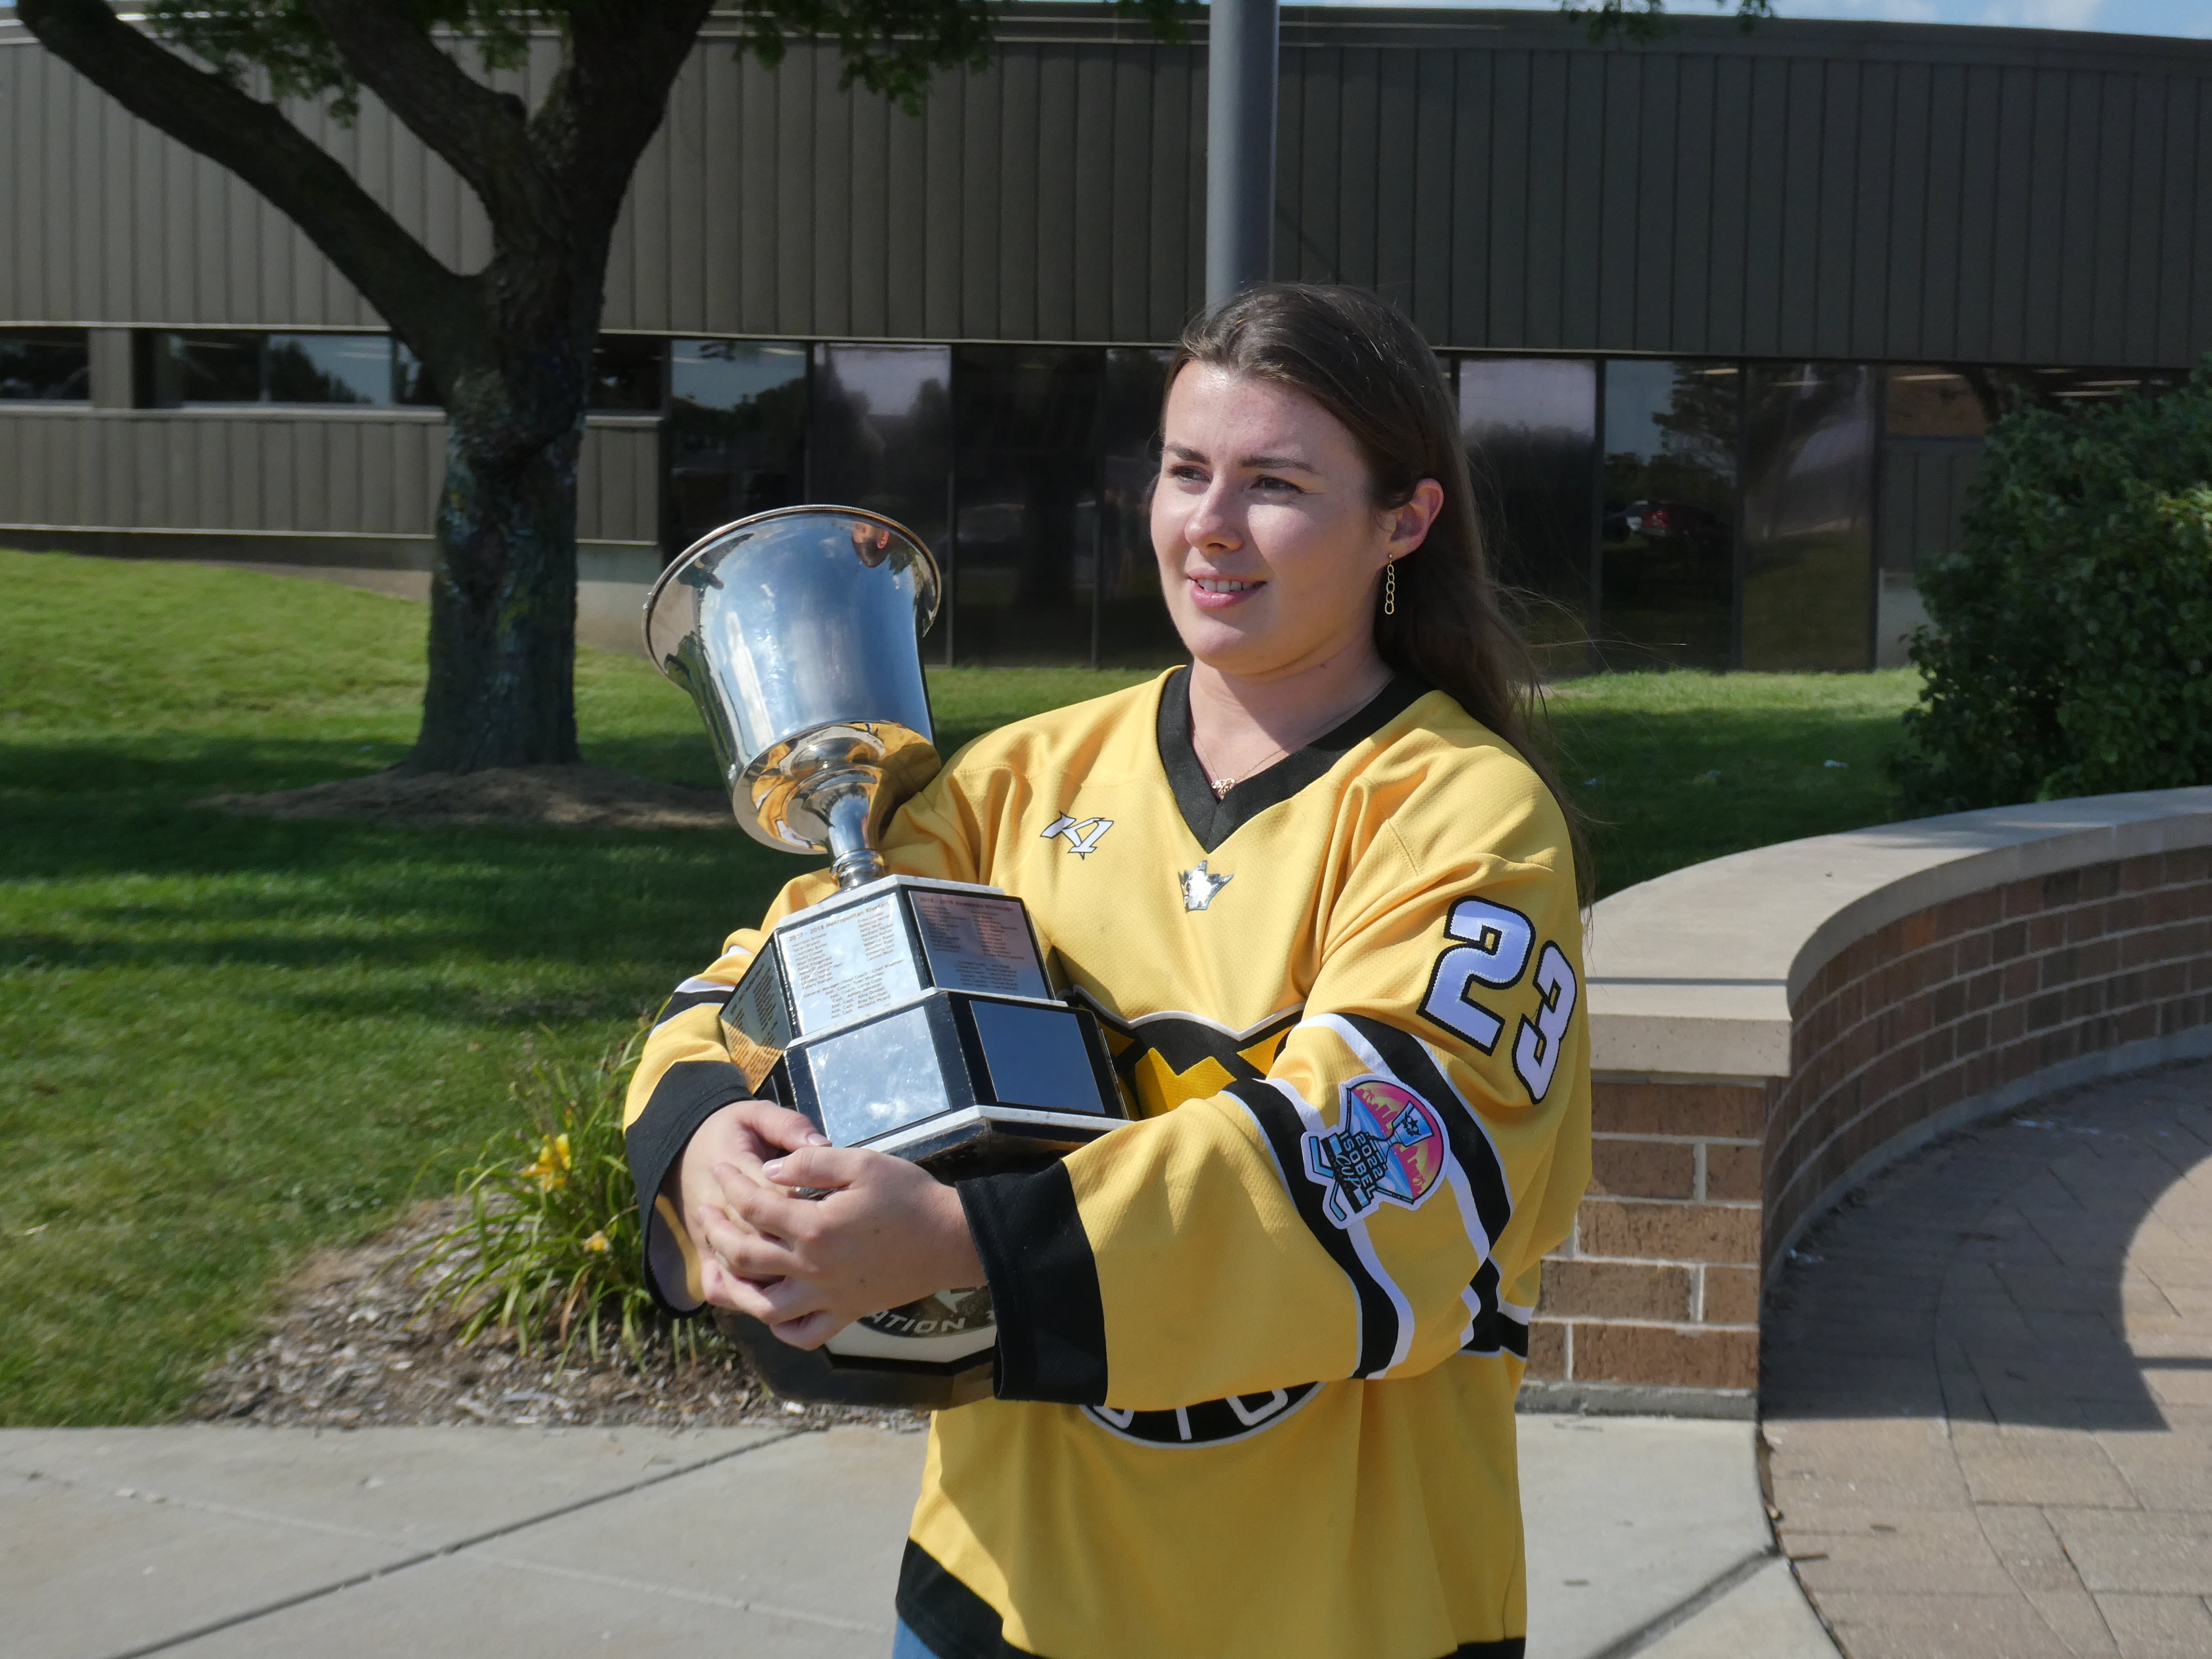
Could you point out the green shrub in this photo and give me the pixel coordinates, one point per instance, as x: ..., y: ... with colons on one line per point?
x: 549, y: 1247
x: 2070, y: 632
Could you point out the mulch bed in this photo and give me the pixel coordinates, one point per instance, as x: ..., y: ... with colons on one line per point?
x: 572, y: 797
x: 348, y: 1347
x: 349, y: 1350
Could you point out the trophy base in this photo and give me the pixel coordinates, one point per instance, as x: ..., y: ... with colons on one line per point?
x: 816, y: 1376
x: 988, y: 1140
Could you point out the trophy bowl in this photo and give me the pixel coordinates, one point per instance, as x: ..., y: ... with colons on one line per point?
x: 907, y: 1015
x: 796, y: 633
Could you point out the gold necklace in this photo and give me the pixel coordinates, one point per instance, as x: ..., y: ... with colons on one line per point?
x: 1221, y: 787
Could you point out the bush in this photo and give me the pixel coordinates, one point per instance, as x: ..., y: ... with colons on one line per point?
x: 549, y: 1248
x: 2070, y: 632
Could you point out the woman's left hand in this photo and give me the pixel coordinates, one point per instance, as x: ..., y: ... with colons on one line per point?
x: 887, y: 1233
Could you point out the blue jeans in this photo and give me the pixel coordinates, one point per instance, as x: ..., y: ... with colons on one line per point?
x: 905, y: 1644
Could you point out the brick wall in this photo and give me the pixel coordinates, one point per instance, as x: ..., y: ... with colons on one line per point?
x: 1957, y: 1002
x: 1659, y: 1285
x: 1696, y: 1184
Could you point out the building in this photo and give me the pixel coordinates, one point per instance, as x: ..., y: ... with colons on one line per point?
x: 1726, y: 315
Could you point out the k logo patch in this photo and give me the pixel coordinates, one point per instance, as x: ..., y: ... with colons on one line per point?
x: 1083, y: 835
x: 1390, y: 1144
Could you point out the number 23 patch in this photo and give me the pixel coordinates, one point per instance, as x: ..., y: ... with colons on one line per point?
x: 1491, y: 952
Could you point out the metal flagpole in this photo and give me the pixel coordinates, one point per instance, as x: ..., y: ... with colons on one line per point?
x: 1242, y: 52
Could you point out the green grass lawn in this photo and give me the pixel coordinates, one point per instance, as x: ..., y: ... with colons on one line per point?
x: 227, y: 1041
x: 1671, y: 769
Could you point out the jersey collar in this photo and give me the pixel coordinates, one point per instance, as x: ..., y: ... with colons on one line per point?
x: 1212, y: 821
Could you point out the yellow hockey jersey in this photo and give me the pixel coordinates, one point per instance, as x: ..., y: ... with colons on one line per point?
x: 1258, y: 1350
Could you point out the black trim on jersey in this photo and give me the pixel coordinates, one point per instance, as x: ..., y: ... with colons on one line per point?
x: 1490, y: 1332
x: 1182, y: 1041
x: 956, y: 1623
x: 683, y: 1002
x: 1409, y: 1062
x: 1285, y: 1131
x: 1044, y: 1285
x: 1207, y: 1422
x: 951, y: 1620
x: 688, y: 1093
x: 1212, y: 821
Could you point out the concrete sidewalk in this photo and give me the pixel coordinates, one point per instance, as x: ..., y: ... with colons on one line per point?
x: 1646, y: 1537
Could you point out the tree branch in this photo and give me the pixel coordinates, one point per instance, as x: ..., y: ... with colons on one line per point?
x: 415, y: 292
x: 610, y: 96
x: 483, y: 134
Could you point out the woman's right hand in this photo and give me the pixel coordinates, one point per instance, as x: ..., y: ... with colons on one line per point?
x: 747, y: 1133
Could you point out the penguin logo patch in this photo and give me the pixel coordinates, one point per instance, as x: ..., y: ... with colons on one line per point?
x: 1198, y: 888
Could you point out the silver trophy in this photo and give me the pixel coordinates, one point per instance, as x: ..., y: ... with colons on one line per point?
x: 907, y: 1015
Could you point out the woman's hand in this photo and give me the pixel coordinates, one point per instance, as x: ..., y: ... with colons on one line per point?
x: 887, y: 1233
x: 743, y: 1136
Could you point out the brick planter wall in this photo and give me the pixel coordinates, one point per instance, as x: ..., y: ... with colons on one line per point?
x: 1986, y: 990
x: 1659, y: 1285
x: 1969, y: 1005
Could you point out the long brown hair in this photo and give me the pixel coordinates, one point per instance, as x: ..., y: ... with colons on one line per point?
x: 1368, y: 366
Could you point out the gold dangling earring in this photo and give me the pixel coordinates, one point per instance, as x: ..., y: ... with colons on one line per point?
x: 1390, y: 588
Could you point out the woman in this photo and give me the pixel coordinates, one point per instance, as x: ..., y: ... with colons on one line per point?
x: 1258, y: 1351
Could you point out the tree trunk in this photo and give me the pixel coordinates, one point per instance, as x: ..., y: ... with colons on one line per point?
x: 501, y: 690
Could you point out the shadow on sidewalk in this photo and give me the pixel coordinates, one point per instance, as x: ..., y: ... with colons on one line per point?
x: 1996, y: 1276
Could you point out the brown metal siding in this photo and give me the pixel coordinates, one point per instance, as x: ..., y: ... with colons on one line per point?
x: 1810, y: 190
x: 283, y: 471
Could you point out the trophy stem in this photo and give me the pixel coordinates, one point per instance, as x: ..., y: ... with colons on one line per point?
x: 853, y: 861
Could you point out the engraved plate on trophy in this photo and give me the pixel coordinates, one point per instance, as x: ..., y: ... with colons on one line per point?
x: 978, y: 944
x: 848, y: 966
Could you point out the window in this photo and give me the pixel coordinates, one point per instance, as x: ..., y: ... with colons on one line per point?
x: 1025, y: 556
x: 880, y: 436
x: 1134, y: 629
x: 1809, y: 517
x: 410, y: 379
x: 626, y: 374
x: 1667, y: 541
x: 1530, y: 427
x: 45, y: 365
x: 328, y: 368
x: 736, y: 435
x: 182, y: 369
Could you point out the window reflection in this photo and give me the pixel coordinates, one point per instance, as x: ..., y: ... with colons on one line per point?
x: 411, y: 377
x: 1809, y: 517
x: 1133, y: 627
x: 1025, y: 554
x: 881, y: 437
x: 45, y: 365
x: 1934, y: 419
x: 1666, y: 539
x: 180, y: 368
x: 1921, y: 400
x: 1530, y: 427
x: 626, y: 374
x: 736, y: 435
x: 328, y: 368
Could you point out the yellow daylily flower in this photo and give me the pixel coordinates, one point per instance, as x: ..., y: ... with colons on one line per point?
x: 551, y: 1167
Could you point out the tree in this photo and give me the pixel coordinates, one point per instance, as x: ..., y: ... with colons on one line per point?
x: 509, y: 347
x: 2071, y: 630
x: 1647, y: 19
